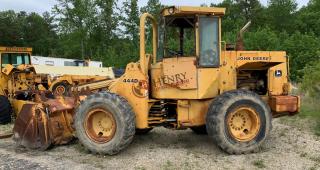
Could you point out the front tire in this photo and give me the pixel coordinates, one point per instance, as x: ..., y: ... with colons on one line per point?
x: 239, y: 121
x: 5, y: 110
x: 105, y: 123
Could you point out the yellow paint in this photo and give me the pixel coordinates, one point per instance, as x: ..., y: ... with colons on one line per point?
x: 127, y: 87
x: 243, y: 124
x: 18, y: 104
x: 192, y: 112
x: 22, y: 81
x: 181, y: 79
x: 188, y: 10
x: 189, y: 87
x: 15, y: 49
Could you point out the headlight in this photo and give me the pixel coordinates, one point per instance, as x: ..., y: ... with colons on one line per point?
x: 171, y: 10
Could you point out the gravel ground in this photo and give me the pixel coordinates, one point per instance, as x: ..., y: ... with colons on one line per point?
x: 289, y: 147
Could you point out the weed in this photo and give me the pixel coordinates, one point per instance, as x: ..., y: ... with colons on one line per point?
x: 315, y: 159
x: 259, y: 164
x: 282, y: 133
x: 140, y: 168
x: 317, y: 128
x: 313, y: 168
x: 168, y: 165
x: 304, y: 154
x: 187, y: 166
x: 310, y: 109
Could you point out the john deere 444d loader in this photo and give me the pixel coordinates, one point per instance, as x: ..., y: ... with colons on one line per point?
x: 192, y: 80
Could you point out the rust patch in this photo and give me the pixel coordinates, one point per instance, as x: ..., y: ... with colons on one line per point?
x: 31, y: 127
x: 40, y: 125
x: 60, y: 104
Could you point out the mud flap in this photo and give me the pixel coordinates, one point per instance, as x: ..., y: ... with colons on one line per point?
x: 31, y: 128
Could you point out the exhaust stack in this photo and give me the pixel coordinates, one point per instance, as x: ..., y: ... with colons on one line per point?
x: 240, y: 44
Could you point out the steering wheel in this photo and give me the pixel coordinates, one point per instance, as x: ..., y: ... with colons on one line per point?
x: 174, y: 52
x: 209, y: 57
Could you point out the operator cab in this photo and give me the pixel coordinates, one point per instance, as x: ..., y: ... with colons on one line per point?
x: 15, y: 56
x: 184, y: 32
x: 188, y: 49
x: 15, y: 59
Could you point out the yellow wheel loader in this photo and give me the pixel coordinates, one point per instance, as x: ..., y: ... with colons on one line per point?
x: 27, y: 92
x: 24, y: 97
x: 192, y: 80
x: 61, y: 79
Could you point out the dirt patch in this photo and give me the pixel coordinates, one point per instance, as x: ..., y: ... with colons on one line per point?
x: 289, y: 147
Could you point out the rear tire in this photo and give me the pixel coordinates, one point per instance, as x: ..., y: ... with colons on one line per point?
x: 200, y: 130
x: 239, y: 121
x: 123, y: 119
x: 5, y: 110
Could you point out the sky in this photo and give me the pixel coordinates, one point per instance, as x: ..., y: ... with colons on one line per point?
x: 41, y: 6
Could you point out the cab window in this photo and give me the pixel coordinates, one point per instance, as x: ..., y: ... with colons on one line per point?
x: 14, y: 59
x: 209, y: 41
x: 177, y: 37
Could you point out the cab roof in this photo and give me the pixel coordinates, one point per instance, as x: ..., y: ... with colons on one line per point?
x: 15, y: 49
x: 189, y: 10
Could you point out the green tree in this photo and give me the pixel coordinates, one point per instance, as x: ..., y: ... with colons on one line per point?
x: 153, y: 7
x: 105, y: 37
x: 131, y: 20
x: 233, y: 19
x: 281, y: 14
x: 39, y: 34
x: 108, y: 21
x: 10, y: 30
x: 308, y: 18
x: 23, y: 29
x: 303, y: 49
x: 261, y: 40
x: 253, y: 11
x: 77, y: 17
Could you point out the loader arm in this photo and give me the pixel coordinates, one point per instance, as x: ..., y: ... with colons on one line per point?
x: 97, y: 85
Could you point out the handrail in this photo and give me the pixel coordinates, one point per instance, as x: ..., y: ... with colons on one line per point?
x: 143, y: 19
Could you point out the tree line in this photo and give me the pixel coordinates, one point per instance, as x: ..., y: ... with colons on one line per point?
x: 108, y: 30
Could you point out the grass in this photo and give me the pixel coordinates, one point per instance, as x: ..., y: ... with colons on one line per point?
x: 304, y: 154
x: 259, y: 164
x: 310, y: 109
x: 310, y: 112
x: 168, y: 165
x: 140, y: 168
x: 315, y: 159
x: 317, y: 162
x: 313, y: 168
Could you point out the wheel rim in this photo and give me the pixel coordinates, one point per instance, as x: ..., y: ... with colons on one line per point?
x: 243, y: 124
x: 100, y: 125
x: 60, y: 90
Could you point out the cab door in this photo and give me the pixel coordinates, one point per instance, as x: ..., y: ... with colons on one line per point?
x: 209, y: 48
x: 175, y: 75
x: 194, y: 76
x: 209, y: 42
